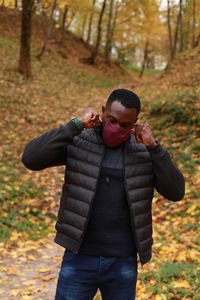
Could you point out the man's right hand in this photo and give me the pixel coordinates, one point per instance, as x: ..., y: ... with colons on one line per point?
x: 90, y: 118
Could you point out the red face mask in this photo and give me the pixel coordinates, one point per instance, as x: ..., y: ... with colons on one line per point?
x: 114, y: 135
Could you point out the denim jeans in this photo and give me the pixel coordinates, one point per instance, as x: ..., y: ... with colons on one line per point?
x: 81, y: 275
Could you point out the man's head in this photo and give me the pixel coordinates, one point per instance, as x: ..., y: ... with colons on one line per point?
x: 119, y: 116
x: 122, y: 108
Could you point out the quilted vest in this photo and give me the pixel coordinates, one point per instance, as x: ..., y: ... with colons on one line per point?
x: 83, y: 163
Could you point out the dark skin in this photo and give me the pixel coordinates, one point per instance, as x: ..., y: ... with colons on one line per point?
x: 119, y: 115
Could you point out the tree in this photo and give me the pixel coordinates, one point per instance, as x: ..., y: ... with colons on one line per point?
x: 48, y: 32
x: 169, y: 28
x: 109, y: 33
x: 193, y: 22
x: 144, y: 58
x: 2, y: 7
x: 25, y: 47
x: 65, y: 11
x: 90, y: 22
x: 91, y: 59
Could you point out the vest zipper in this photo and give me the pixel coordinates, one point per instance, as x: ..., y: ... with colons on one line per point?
x: 90, y: 209
x: 129, y: 204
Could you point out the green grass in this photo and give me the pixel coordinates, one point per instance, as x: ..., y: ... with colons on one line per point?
x: 175, y: 120
x: 169, y: 273
x: 147, y: 71
x: 17, y: 212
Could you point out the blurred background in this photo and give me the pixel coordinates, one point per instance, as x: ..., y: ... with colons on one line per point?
x: 57, y: 59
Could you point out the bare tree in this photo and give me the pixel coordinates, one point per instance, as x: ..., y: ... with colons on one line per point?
x: 91, y: 59
x: 71, y: 19
x: 181, y: 26
x: 169, y: 28
x: 25, y: 47
x: 110, y: 32
x: 90, y: 22
x: 2, y: 7
x: 48, y: 32
x: 193, y: 21
x: 176, y: 31
x: 144, y: 58
x: 83, y: 25
x: 65, y: 12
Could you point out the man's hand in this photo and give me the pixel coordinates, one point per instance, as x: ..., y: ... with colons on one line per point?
x: 143, y: 134
x: 90, y: 119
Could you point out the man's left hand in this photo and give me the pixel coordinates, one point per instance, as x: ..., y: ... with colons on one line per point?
x: 143, y: 134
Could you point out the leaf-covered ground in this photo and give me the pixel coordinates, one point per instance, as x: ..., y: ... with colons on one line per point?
x: 63, y: 88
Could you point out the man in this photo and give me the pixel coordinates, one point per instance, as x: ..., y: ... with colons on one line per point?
x: 104, y: 219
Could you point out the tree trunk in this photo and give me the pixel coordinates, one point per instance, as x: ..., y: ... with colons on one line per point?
x: 63, y: 23
x: 91, y: 59
x: 193, y: 22
x: 196, y: 43
x: 2, y: 7
x: 176, y: 33
x: 90, y: 23
x: 145, y: 58
x: 181, y: 26
x: 113, y: 29
x: 25, y: 47
x: 16, y: 3
x: 48, y: 32
x: 64, y: 17
x: 169, y: 28
x: 72, y: 17
x: 83, y: 25
x: 108, y: 33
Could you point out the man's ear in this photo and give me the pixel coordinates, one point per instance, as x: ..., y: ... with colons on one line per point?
x: 135, y: 122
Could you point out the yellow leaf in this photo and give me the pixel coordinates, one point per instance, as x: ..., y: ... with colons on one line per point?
x: 11, y: 271
x: 181, y: 284
x: 158, y: 297
x: 42, y: 270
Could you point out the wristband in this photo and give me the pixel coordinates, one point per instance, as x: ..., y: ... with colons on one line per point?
x: 78, y: 123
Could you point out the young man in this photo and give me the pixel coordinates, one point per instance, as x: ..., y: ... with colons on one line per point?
x: 104, y: 219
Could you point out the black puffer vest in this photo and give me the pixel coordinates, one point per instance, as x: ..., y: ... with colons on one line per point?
x: 84, y: 157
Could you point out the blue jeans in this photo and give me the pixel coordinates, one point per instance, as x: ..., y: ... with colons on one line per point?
x: 81, y: 275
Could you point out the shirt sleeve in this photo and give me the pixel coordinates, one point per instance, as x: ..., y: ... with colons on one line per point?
x: 168, y: 179
x: 50, y: 149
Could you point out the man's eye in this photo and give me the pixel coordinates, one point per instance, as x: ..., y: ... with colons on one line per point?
x: 113, y: 121
x: 126, y: 126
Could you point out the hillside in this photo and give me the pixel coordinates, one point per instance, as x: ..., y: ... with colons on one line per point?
x: 62, y: 87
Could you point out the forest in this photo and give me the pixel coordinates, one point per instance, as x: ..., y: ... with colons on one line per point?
x: 59, y: 58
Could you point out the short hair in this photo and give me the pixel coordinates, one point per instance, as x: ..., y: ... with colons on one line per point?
x: 126, y: 97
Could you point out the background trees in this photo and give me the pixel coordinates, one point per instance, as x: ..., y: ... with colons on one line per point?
x: 146, y: 33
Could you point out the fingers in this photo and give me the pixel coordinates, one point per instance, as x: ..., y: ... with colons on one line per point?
x: 139, y: 131
x: 94, y: 120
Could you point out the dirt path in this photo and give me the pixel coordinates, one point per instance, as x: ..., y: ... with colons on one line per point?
x: 30, y: 270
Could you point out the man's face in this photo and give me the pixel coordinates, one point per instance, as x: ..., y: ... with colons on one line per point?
x: 119, y: 115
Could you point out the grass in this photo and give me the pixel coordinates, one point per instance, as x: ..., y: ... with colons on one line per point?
x: 147, y: 71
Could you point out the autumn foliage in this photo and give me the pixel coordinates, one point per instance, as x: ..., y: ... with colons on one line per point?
x: 63, y: 85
